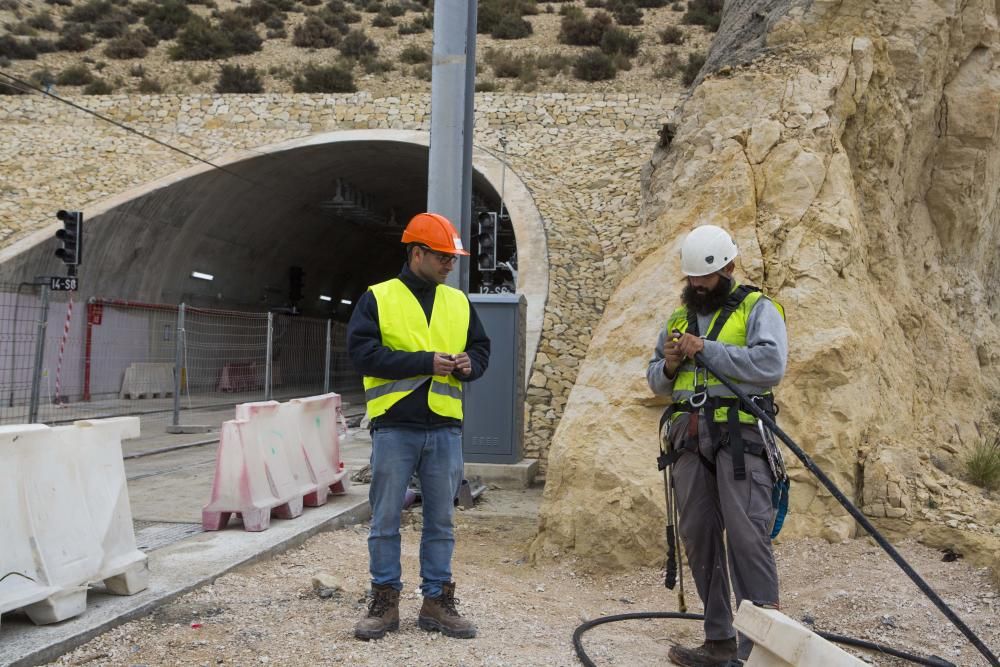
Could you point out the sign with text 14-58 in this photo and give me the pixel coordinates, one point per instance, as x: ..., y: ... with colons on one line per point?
x: 63, y: 284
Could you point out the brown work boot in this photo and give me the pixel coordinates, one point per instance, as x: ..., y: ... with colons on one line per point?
x: 382, y: 616
x: 440, y: 614
x: 713, y: 653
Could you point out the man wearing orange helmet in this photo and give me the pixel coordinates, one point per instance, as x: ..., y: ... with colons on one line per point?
x: 416, y: 340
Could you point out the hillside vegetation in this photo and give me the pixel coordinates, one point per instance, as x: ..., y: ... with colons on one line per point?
x: 380, y: 46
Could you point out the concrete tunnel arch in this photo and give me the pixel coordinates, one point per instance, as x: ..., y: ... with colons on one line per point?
x: 248, y: 221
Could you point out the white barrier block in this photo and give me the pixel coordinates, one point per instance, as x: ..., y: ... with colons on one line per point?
x: 98, y: 442
x: 147, y: 379
x: 241, y: 484
x: 66, y: 519
x: 781, y: 642
x: 319, y: 434
x: 276, y: 428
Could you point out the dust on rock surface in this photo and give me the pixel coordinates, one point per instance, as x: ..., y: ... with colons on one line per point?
x: 270, y: 613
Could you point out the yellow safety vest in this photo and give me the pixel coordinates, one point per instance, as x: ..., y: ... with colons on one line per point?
x: 734, y: 332
x: 404, y: 327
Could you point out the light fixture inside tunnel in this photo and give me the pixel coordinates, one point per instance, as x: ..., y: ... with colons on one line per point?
x: 346, y: 302
x: 324, y: 297
x: 202, y: 276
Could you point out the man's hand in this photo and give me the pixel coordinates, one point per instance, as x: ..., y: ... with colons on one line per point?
x: 463, y: 365
x: 444, y: 364
x: 690, y: 345
x: 672, y: 356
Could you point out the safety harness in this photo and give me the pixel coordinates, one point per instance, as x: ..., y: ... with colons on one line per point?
x: 733, y: 439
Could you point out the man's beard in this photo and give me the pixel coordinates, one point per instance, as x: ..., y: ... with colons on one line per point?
x: 704, y: 301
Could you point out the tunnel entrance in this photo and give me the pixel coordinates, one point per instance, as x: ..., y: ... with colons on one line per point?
x: 297, y: 230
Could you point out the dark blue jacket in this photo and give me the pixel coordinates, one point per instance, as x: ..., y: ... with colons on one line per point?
x: 371, y: 357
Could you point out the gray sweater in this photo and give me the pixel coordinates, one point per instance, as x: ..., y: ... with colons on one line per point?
x: 762, y: 362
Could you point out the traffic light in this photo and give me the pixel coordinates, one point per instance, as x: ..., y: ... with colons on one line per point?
x: 71, y: 237
x: 486, y: 238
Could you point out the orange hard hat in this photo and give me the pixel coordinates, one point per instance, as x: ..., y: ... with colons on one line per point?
x: 435, y: 232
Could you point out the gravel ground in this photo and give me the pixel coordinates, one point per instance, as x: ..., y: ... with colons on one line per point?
x: 269, y: 613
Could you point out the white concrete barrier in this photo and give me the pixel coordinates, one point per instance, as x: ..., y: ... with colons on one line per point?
x: 65, y: 519
x: 274, y: 458
x: 319, y: 434
x: 781, y: 642
x: 147, y: 379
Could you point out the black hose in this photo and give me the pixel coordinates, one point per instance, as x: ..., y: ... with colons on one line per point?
x: 930, y: 661
x: 752, y: 407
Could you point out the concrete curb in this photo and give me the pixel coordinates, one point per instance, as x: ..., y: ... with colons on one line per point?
x: 175, y: 570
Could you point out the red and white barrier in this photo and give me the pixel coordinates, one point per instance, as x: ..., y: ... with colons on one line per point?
x: 273, y: 459
x: 66, y: 519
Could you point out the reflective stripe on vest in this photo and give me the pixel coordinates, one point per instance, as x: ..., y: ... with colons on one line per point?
x: 734, y: 332
x: 404, y: 327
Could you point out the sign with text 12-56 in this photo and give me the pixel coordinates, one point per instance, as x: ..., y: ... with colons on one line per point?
x: 64, y: 284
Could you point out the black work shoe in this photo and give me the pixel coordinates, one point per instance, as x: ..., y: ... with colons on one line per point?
x: 382, y: 616
x: 440, y: 614
x: 713, y: 653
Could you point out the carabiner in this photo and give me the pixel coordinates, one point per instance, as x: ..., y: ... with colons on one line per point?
x: 697, y: 400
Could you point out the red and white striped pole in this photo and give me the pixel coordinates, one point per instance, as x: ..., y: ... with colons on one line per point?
x: 62, y: 349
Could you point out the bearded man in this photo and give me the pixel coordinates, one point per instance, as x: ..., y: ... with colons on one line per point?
x: 721, y: 479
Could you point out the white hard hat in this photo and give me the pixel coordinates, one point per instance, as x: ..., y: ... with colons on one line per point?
x: 707, y: 249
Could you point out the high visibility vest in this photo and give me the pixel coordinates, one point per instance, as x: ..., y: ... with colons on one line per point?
x: 734, y: 332
x: 404, y: 327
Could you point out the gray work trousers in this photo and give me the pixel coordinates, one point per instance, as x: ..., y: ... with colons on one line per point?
x: 709, y: 505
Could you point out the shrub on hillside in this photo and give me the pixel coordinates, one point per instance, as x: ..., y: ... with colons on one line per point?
x: 383, y: 20
x: 373, y: 65
x: 75, y: 75
x: 329, y: 79
x: 126, y: 47
x: 982, y: 463
x: 332, y: 19
x: 554, y: 63
x: 671, y: 35
x: 669, y: 67
x: 61, y: 3
x: 16, y: 49
x: 88, y: 12
x: 165, y: 18
x: 651, y: 4
x: 200, y: 40
x: 43, y: 45
x: 357, y: 45
x: 704, y: 12
x: 42, y: 21
x: 694, y: 64
x: 146, y: 37
x: 511, y: 27
x: 412, y: 28
x: 414, y: 54
x: 150, y: 86
x: 43, y: 78
x: 395, y: 9
x: 241, y: 31
x: 627, y: 13
x: 73, y: 38
x: 236, y: 79
x: 492, y: 12
x: 593, y: 65
x: 112, y: 25
x: 315, y: 34
x: 98, y: 87
x: 311, y: 3
x: 617, y: 41
x: 486, y: 86
x: 259, y: 11
x: 593, y: 4
x: 578, y: 30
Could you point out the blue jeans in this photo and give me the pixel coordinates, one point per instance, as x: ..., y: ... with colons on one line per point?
x: 436, y: 456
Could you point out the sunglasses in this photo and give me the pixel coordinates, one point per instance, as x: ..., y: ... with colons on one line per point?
x: 442, y: 257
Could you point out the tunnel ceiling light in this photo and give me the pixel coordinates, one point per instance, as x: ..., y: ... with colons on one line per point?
x: 202, y: 276
x: 323, y: 297
x: 346, y: 302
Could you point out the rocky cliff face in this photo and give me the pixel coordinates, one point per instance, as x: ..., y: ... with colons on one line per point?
x: 853, y: 149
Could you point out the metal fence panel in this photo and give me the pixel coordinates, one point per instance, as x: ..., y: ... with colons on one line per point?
x: 20, y: 311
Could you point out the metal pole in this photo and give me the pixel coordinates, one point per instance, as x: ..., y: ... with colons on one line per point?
x: 36, y: 373
x: 468, y: 134
x: 326, y: 364
x: 449, y: 169
x: 267, y: 363
x: 179, y: 339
